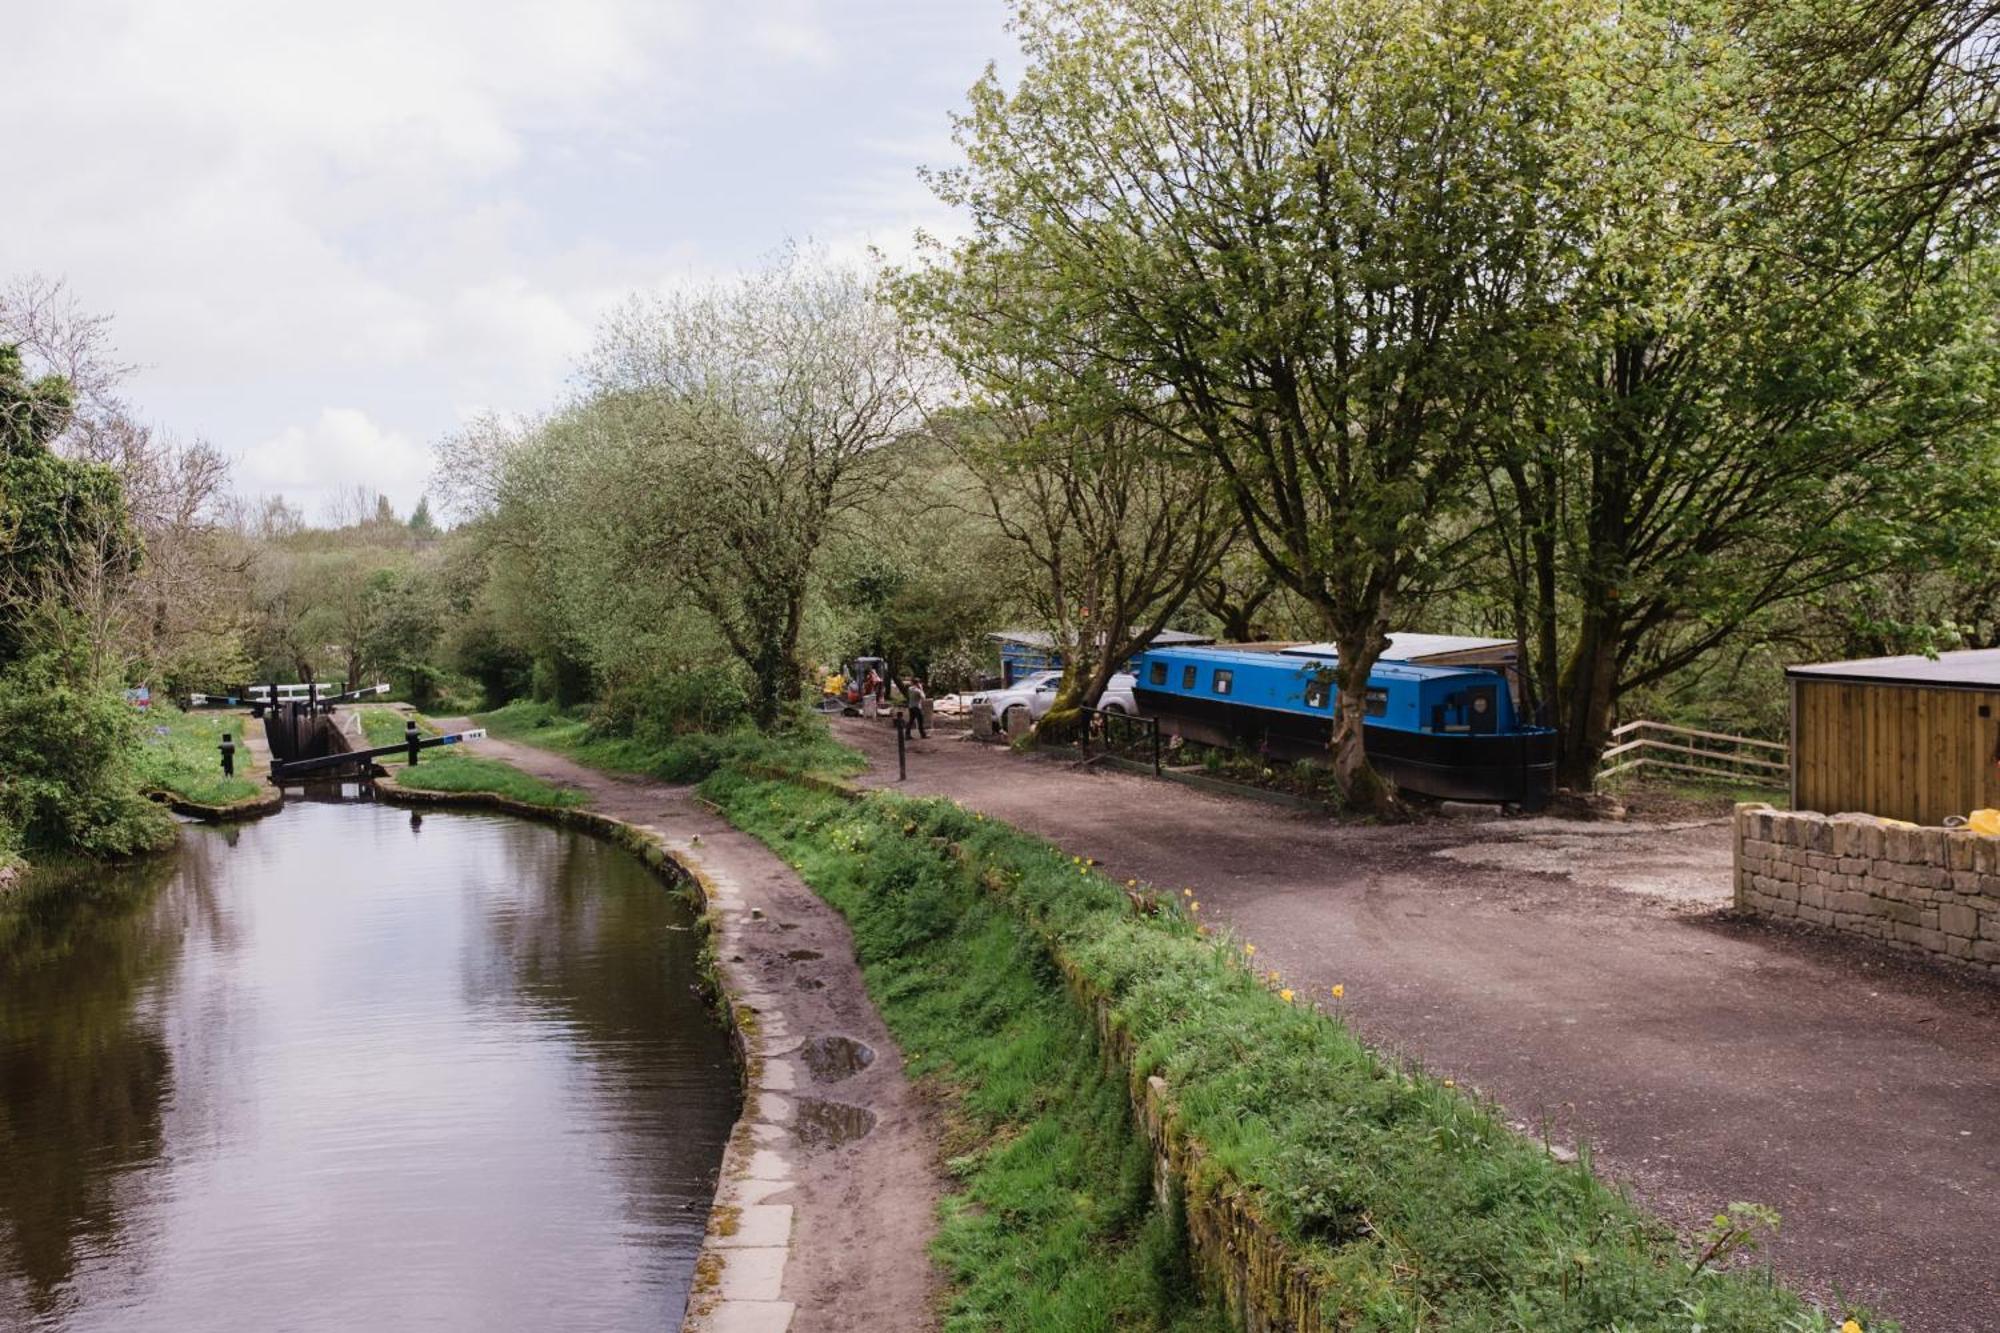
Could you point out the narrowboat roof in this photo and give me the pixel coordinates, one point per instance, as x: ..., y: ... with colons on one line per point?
x: 1034, y: 638
x: 1416, y: 647
x: 1967, y: 669
x: 1260, y: 655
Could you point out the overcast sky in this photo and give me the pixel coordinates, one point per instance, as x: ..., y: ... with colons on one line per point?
x: 328, y: 234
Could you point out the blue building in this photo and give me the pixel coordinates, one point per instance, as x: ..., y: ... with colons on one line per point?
x: 1023, y: 652
x: 1442, y: 714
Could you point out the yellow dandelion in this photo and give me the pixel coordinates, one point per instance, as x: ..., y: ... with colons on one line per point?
x: 1131, y: 883
x: 1285, y: 995
x: 1187, y: 893
x: 1272, y: 975
x: 1194, y: 907
x: 1851, y: 1326
x: 1451, y: 1083
x: 1249, y: 951
x: 1339, y: 992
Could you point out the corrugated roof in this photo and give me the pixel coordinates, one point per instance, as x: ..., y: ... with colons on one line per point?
x: 1410, y: 647
x: 1967, y: 669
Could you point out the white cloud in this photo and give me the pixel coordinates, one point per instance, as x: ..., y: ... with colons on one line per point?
x: 408, y: 208
x: 342, y: 448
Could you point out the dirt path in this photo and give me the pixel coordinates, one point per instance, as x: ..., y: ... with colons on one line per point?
x: 862, y: 1211
x: 1579, y: 974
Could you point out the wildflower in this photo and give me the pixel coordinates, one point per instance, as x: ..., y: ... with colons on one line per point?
x: 1272, y: 976
x: 1451, y: 1083
x: 1194, y: 907
x: 1851, y: 1326
x: 1285, y: 995
x: 1201, y: 930
x: 1249, y: 951
x: 1076, y: 860
x: 1131, y: 883
x: 1339, y: 992
x: 1187, y: 893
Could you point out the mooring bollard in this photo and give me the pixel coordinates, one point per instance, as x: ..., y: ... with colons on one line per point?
x: 228, y: 748
x: 410, y: 738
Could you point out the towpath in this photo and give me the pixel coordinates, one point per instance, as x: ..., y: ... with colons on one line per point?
x: 1583, y: 976
x: 862, y: 1209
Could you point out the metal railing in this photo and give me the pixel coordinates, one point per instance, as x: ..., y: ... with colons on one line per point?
x: 1106, y: 725
x: 1710, y: 754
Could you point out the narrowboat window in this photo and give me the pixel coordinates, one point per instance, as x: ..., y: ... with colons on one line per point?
x: 1378, y: 702
x: 1156, y: 674
x: 1187, y: 676
x: 1315, y: 694
x: 1223, y: 679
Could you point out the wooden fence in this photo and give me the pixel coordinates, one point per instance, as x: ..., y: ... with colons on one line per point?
x: 1709, y: 754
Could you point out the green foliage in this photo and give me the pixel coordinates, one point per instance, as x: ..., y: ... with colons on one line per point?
x: 1417, y: 1203
x: 448, y: 770
x: 68, y: 781
x: 657, y: 708
x: 801, y: 744
x: 60, y: 520
x: 181, y: 753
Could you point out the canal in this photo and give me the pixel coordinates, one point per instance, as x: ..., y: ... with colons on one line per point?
x: 351, y: 1068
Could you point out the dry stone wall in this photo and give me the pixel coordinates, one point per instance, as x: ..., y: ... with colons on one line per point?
x: 1929, y: 890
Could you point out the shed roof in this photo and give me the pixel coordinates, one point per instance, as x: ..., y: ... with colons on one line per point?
x: 1967, y: 669
x: 1034, y: 638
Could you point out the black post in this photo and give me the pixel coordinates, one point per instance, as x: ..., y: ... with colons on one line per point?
x: 312, y: 698
x: 228, y: 756
x: 1156, y: 747
x: 410, y: 738
x: 902, y: 761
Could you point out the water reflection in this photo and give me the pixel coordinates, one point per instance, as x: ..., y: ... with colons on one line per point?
x: 356, y: 1070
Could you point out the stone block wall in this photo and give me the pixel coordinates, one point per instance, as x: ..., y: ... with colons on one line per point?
x: 1929, y: 890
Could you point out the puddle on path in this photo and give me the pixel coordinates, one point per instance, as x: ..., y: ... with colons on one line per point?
x: 823, y: 1124
x: 832, y: 1059
x: 805, y: 955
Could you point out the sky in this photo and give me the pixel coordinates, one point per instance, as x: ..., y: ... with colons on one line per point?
x: 328, y: 235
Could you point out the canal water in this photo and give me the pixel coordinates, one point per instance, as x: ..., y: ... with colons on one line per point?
x: 350, y: 1069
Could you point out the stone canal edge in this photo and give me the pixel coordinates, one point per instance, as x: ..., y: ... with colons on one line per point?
x: 825, y: 1204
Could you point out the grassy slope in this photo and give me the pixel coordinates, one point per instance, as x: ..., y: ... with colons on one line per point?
x: 1054, y: 1228
x: 185, y: 759
x: 1424, y: 1207
x: 683, y: 759
x: 384, y: 726
x: 447, y: 769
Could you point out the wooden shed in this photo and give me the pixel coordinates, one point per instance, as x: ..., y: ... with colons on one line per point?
x: 1914, y: 738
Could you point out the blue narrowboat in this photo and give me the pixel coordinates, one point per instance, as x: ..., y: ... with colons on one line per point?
x: 1449, y: 731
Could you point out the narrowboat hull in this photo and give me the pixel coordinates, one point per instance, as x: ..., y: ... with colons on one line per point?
x: 1514, y: 767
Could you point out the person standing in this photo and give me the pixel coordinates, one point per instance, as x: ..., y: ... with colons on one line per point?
x: 916, y: 699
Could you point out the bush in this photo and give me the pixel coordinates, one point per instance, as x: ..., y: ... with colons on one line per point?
x: 67, y: 778
x: 664, y: 706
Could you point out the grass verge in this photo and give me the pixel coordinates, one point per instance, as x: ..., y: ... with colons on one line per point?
x: 180, y: 752
x: 384, y: 726
x: 451, y: 771
x: 1415, y: 1206
x: 806, y: 748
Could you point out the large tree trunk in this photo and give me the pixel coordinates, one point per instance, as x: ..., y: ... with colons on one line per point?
x: 1360, y: 785
x: 1589, y: 694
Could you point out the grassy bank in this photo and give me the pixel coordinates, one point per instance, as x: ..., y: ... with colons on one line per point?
x: 180, y: 753
x: 385, y: 726
x: 1416, y: 1206
x: 688, y: 758
x: 445, y: 769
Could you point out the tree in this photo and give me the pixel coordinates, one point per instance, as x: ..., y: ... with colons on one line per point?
x: 766, y: 407
x: 1116, y: 527
x: 1284, y: 226
x: 64, y: 527
x: 422, y: 525
x: 1711, y: 421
